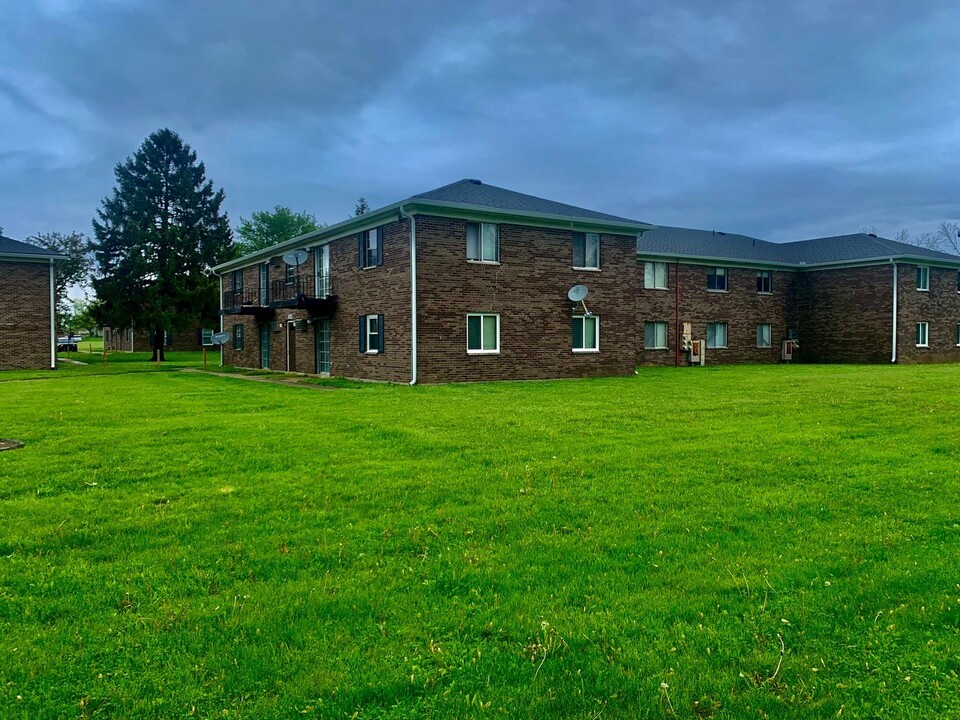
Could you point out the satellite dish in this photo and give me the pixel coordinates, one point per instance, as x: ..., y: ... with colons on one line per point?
x: 577, y: 293
x: 221, y: 338
x: 295, y: 257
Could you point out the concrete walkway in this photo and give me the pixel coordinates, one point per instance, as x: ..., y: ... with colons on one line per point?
x: 286, y: 379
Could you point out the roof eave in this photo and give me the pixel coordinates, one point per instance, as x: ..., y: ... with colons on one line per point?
x: 35, y: 257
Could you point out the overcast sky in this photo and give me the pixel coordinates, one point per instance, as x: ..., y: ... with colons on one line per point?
x: 783, y: 120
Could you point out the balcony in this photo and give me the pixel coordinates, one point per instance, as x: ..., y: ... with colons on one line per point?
x: 311, y: 293
x: 250, y: 301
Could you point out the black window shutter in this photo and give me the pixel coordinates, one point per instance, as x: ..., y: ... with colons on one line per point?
x: 380, y: 336
x: 379, y: 232
x: 363, y: 333
x: 579, y: 249
x: 361, y: 250
x: 199, y: 336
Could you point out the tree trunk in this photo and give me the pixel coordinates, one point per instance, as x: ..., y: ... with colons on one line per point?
x: 158, y: 337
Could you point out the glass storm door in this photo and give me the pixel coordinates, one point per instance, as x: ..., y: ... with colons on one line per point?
x: 323, y: 347
x: 265, y: 346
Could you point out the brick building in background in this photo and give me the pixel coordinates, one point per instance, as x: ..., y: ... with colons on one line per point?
x: 470, y: 282
x: 28, y: 330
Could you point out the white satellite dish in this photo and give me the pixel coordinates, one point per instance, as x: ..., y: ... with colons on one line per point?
x: 295, y: 257
x: 221, y: 338
x: 577, y: 293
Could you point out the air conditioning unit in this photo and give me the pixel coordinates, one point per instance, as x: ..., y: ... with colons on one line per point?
x: 788, y: 349
x: 698, y: 352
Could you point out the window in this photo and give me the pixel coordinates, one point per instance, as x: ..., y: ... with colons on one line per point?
x: 206, y: 337
x: 923, y: 278
x: 236, y: 278
x: 264, y: 283
x: 370, y: 248
x: 764, y: 281
x: 586, y: 333
x: 371, y: 333
x: 483, y: 242
x: 958, y: 281
x: 483, y: 333
x: 586, y: 250
x: 717, y: 279
x: 922, y: 331
x: 238, y: 337
x: 716, y: 335
x: 764, y: 335
x: 655, y: 336
x: 655, y: 275
x: 958, y: 334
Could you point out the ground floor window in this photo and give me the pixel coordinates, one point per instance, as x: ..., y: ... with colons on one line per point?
x: 958, y: 334
x: 483, y: 333
x: 655, y: 336
x: 371, y: 333
x: 238, y: 337
x: 764, y: 333
x: 922, y: 331
x: 586, y: 333
x: 716, y: 335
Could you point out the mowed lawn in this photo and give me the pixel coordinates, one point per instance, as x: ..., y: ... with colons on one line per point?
x: 726, y: 542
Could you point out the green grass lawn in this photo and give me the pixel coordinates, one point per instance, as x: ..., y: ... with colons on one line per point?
x: 726, y: 542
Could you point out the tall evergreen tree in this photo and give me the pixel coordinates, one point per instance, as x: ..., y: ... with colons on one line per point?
x: 156, y: 235
x: 362, y: 207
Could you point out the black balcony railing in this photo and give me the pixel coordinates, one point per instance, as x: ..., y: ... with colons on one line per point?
x: 299, y: 288
x: 248, y: 301
x: 308, y: 292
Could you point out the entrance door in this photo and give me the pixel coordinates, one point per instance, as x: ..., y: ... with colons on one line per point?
x: 265, y: 346
x: 323, y: 347
x: 291, y: 347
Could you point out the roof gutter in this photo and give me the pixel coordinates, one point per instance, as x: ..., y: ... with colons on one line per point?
x: 413, y: 294
x: 893, y: 358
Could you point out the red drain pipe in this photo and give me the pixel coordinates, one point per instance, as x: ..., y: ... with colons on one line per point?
x: 676, y: 313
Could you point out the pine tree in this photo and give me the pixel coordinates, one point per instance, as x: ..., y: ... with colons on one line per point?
x: 156, y: 236
x: 362, y: 207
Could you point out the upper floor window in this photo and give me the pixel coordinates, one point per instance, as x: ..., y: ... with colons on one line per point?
x: 483, y: 242
x: 483, y: 333
x: 716, y: 335
x: 764, y: 281
x: 717, y: 278
x: 291, y: 274
x: 923, y: 278
x: 236, y: 278
x: 370, y: 248
x: 586, y: 333
x: 586, y: 251
x: 655, y: 275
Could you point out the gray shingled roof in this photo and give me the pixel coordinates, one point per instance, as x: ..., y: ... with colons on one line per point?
x: 481, y: 195
x: 9, y: 246
x: 707, y: 244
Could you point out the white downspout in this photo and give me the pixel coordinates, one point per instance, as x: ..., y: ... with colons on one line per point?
x: 220, y: 278
x: 53, y: 322
x: 413, y: 294
x: 893, y: 359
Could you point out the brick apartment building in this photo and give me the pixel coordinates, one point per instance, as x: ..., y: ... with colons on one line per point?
x: 28, y: 330
x: 470, y: 282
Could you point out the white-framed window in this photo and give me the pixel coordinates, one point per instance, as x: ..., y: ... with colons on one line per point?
x: 716, y: 335
x: 655, y: 336
x: 371, y: 334
x: 586, y: 333
x: 655, y: 275
x: 923, y: 278
x: 483, y: 242
x: 717, y: 279
x: 370, y: 248
x: 764, y: 282
x: 206, y: 337
x: 764, y: 335
x: 923, y: 331
x: 483, y: 333
x: 238, y: 337
x: 586, y: 251
x: 958, y: 334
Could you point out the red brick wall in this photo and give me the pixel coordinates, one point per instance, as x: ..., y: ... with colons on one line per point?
x: 741, y: 307
x: 846, y: 315
x: 24, y: 315
x: 939, y: 308
x: 528, y: 288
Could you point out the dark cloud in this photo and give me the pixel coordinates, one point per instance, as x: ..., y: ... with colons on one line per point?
x: 782, y: 120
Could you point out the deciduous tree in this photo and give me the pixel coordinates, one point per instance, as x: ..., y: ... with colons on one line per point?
x: 266, y: 228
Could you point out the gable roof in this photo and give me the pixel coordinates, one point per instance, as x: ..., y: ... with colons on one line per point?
x: 687, y: 243
x: 474, y: 193
x: 470, y: 199
x: 14, y: 248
